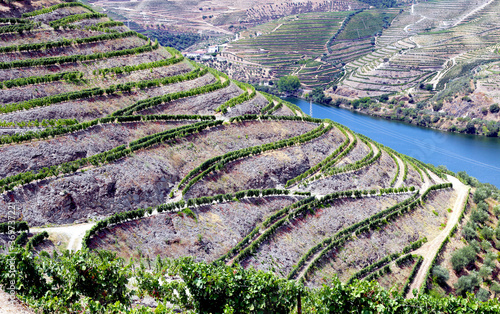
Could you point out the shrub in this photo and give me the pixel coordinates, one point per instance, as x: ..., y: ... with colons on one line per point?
x: 469, y: 231
x: 440, y: 273
x: 463, y: 257
x: 483, y: 295
x: 487, y: 233
x: 479, y: 216
x: 494, y: 108
x: 467, y: 283
x: 190, y: 213
x: 496, y: 210
x: 485, y: 272
x: 437, y: 106
x: 495, y: 287
x: 481, y: 194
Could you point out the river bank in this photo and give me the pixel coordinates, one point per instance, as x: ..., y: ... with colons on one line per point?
x: 430, y: 119
x: 477, y: 155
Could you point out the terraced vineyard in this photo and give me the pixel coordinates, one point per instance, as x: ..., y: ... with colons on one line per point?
x: 421, y: 57
x: 291, y: 45
x: 423, y: 44
x: 357, y: 37
x: 117, y: 143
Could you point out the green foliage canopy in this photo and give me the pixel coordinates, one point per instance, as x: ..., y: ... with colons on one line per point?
x: 288, y: 84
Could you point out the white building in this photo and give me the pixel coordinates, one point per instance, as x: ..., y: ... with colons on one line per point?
x: 213, y: 49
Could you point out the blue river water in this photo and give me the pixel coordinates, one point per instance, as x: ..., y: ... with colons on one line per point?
x: 478, y: 156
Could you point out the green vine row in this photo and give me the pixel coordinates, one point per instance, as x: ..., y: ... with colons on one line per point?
x: 65, y: 21
x: 104, y: 26
x: 371, y: 223
x: 121, y: 217
x: 14, y: 227
x: 330, y: 159
x: 19, y: 28
x: 386, y: 260
x: 76, y: 58
x: 36, y: 124
x: 69, y: 42
x: 8, y: 183
x: 144, y: 66
x: 72, y: 76
x: 245, y: 96
x: 155, y: 101
x: 219, y: 162
x: 13, y: 20
x: 53, y: 132
x: 98, y: 91
x: 55, y: 7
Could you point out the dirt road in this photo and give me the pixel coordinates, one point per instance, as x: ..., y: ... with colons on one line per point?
x: 429, y: 250
x: 75, y: 233
x: 11, y: 305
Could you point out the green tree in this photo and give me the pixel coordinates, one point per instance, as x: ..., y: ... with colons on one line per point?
x: 478, y: 215
x: 496, y: 210
x: 470, y: 128
x: 495, y: 287
x: 463, y: 257
x: 490, y: 259
x: 494, y: 108
x: 469, y: 231
x: 487, y: 233
x: 481, y: 194
x: 483, y: 294
x: 440, y: 273
x: 468, y: 283
x: 318, y: 96
x: 288, y: 84
x: 485, y: 272
x: 437, y: 106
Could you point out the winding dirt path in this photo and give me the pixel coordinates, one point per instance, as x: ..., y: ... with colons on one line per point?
x: 429, y: 250
x: 12, y: 305
x: 479, y: 8
x: 74, y: 232
x: 277, y: 27
x: 440, y: 74
x: 399, y: 181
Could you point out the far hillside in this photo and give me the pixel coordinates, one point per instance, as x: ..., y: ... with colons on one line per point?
x: 431, y: 64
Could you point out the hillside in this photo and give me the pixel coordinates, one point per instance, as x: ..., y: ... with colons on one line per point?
x: 220, y: 16
x: 432, y: 64
x: 112, y: 142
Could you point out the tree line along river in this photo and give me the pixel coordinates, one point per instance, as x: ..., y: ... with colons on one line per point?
x: 478, y: 156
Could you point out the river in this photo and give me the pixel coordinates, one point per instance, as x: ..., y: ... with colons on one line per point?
x: 478, y: 156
